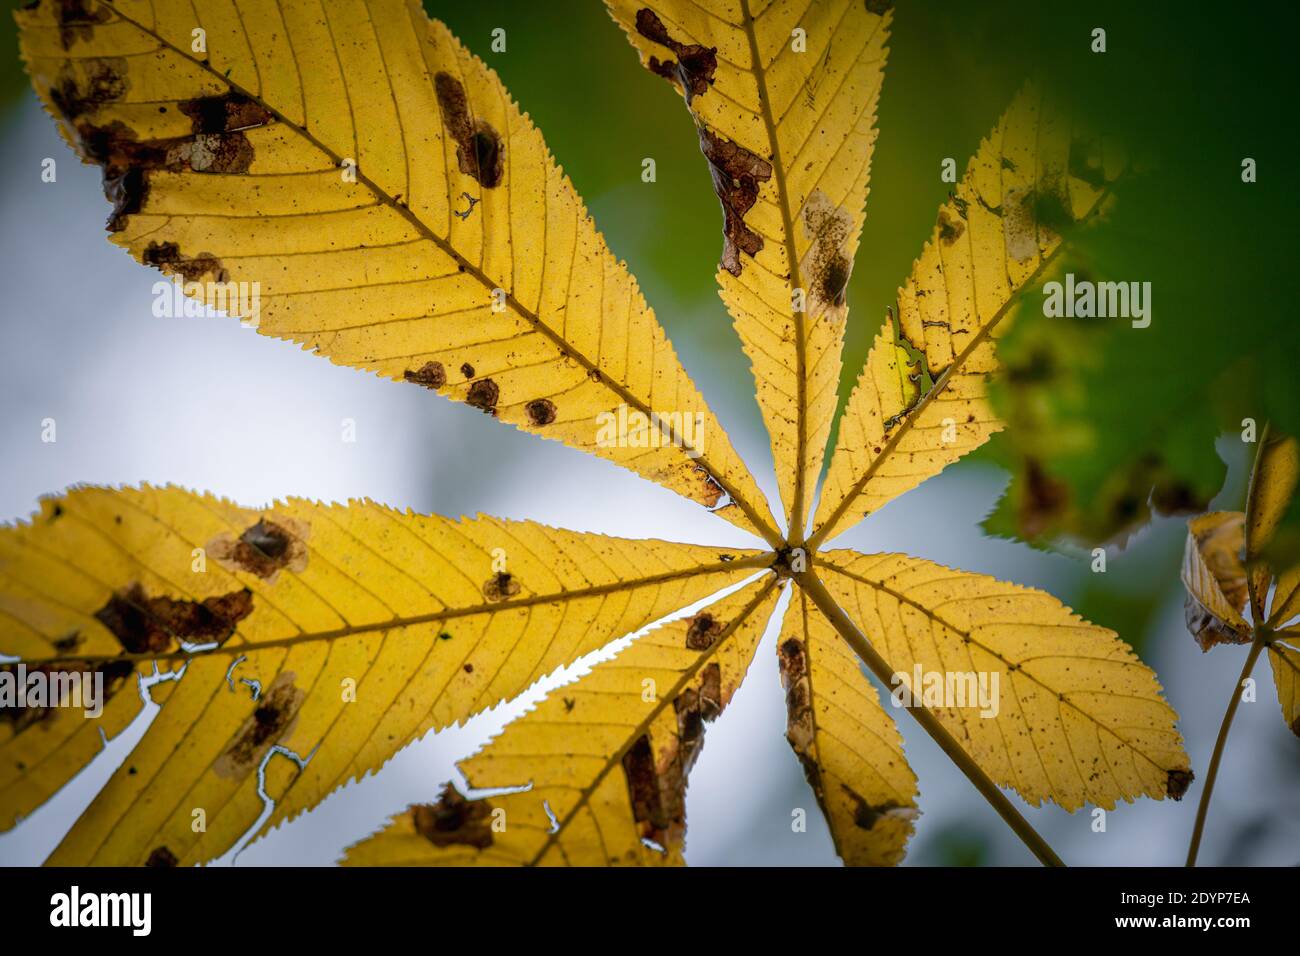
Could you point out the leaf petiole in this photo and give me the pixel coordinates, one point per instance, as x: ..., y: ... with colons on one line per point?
x: 816, y: 590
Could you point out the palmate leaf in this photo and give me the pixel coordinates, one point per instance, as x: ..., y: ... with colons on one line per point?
x: 345, y: 136
x: 605, y: 759
x: 1079, y: 718
x: 397, y: 210
x: 788, y: 133
x: 416, y: 616
x: 921, y: 402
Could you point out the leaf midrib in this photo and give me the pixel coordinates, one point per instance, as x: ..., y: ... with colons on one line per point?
x: 756, y: 561
x: 795, y: 520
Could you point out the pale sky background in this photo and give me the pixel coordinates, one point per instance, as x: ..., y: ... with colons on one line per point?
x: 206, y: 404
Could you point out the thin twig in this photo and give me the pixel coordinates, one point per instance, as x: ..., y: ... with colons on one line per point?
x: 1204, y: 807
x: 1257, y: 645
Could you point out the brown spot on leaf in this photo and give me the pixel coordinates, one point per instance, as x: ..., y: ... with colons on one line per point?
x: 68, y: 643
x: 273, y: 718
x: 500, y: 587
x: 167, y: 256
x: 126, y: 193
x: 144, y: 624
x: 540, y: 411
x: 484, y: 395
x: 161, y: 856
x: 793, y: 660
x: 83, y: 86
x: 826, y: 263
x: 127, y: 160
x: 658, y: 798
x: 865, y: 816
x: 264, y: 548
x: 220, y: 153
x: 1178, y: 782
x: 711, y: 491
x: 695, y: 64
x: 467, y: 370
x: 690, y: 727
x: 736, y: 174
x: 226, y: 113
x: 879, y: 7
x: 950, y: 230
x: 702, y: 631
x: 479, y: 152
x: 710, y: 693
x: 430, y: 375
x: 78, y: 18
x: 454, y: 820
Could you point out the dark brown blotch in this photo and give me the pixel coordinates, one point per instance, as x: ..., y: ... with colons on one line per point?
x: 479, y: 152
x: 148, y: 625
x: 950, y: 229
x: 68, y: 643
x: 454, y: 820
x: 271, y: 720
x: 127, y: 160
x: 85, y: 87
x: 653, y: 798
x: 695, y: 64
x: 1177, y: 783
x: 736, y: 174
x: 540, y: 411
x: 826, y: 263
x: 226, y: 113
x: 162, y: 857
x: 78, y: 18
x: 793, y: 660
x: 430, y: 375
x: 167, y: 256
x: 265, y: 548
x: 702, y: 631
x: 484, y: 395
x: 864, y: 814
x: 500, y: 587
